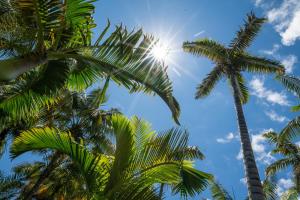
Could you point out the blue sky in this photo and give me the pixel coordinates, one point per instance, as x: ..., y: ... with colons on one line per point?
x: 211, y: 122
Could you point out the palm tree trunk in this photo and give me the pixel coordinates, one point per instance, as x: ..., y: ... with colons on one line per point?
x: 44, y: 175
x: 254, y: 185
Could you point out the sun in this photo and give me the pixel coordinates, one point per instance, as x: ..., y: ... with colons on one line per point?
x: 160, y: 52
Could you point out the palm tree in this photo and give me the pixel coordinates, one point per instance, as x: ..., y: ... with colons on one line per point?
x: 290, y: 153
x: 141, y: 159
x: 48, y: 46
x: 230, y: 63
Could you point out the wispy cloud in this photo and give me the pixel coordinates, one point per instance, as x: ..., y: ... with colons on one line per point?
x: 285, y: 18
x: 273, y: 97
x: 199, y: 33
x: 272, y: 51
x: 228, y: 138
x: 276, y: 117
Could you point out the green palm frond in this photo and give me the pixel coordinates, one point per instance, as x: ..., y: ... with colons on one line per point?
x: 207, y: 48
x: 291, y: 83
x: 127, y: 59
x: 291, y: 194
x: 218, y: 192
x: 279, y: 165
x: 21, y: 102
x: 52, y: 78
x: 259, y: 65
x: 42, y: 15
x: 247, y: 33
x: 271, y: 136
x: 209, y: 82
x: 291, y: 129
x: 124, y: 142
x: 192, y: 182
x: 242, y: 89
x: 270, y: 189
x: 41, y: 138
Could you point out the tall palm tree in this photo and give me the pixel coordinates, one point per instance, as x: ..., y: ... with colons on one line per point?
x: 48, y: 46
x: 141, y: 159
x: 230, y: 62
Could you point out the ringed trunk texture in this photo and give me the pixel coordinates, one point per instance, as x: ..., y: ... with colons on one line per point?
x: 255, y: 189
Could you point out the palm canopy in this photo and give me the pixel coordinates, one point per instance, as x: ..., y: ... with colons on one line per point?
x: 232, y: 60
x: 49, y: 47
x: 141, y: 159
x: 290, y: 156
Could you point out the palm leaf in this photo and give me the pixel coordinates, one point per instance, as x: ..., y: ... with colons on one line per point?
x: 291, y: 83
x: 259, y: 65
x: 41, y: 138
x: 279, y: 165
x: 242, y: 89
x: 291, y: 129
x: 247, y: 33
x: 126, y: 58
x: 270, y: 189
x: 207, y: 48
x: 218, y: 192
x: 209, y: 82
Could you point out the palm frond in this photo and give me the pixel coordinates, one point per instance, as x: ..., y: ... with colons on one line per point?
x: 218, y: 192
x: 41, y: 138
x: 259, y: 65
x: 291, y: 129
x: 207, y: 48
x: 291, y: 83
x: 279, y: 165
x: 127, y: 59
x: 209, y: 82
x: 247, y: 33
x: 123, y: 154
x: 290, y: 194
x: 270, y: 189
x: 242, y: 89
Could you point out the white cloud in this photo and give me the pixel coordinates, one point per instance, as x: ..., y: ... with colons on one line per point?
x: 259, y: 146
x: 276, y: 117
x: 228, y: 138
x: 273, y: 97
x: 285, y: 17
x: 259, y: 143
x: 283, y: 185
x: 289, y: 62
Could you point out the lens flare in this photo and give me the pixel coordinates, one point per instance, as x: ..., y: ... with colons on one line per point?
x: 160, y: 52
